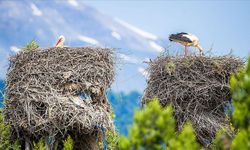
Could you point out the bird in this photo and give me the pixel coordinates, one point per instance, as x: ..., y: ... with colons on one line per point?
x: 60, y: 41
x: 186, y: 39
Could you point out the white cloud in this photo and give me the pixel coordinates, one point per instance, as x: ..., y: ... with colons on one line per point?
x: 116, y: 35
x: 14, y: 49
x: 144, y: 72
x: 136, y: 30
x: 35, y: 10
x: 156, y: 46
x: 88, y: 40
x: 73, y: 2
x: 130, y: 59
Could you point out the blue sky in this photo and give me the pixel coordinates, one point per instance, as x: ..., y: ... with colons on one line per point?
x: 222, y: 25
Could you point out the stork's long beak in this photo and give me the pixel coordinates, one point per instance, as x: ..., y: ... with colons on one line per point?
x: 200, y: 49
x: 59, y: 41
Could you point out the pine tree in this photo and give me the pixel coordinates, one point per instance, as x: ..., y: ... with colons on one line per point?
x: 5, y: 133
x: 240, y: 86
x: 30, y: 46
x: 154, y: 129
x: 40, y: 145
x: 68, y: 143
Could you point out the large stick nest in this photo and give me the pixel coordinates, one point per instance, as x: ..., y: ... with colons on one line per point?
x: 56, y: 90
x: 197, y: 87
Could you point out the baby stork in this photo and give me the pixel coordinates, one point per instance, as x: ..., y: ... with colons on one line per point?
x: 186, y: 39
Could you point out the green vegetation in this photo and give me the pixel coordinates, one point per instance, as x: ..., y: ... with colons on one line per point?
x: 68, y: 143
x: 154, y: 128
x: 7, y: 144
x: 240, y: 86
x: 185, y: 139
x: 5, y: 133
x: 40, y: 145
x: 222, y: 141
x: 112, y: 139
x: 30, y: 46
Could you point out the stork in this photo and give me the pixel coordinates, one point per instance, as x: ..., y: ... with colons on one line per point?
x: 186, y: 39
x: 60, y: 41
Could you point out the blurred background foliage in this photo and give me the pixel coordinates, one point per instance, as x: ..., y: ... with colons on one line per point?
x: 5, y: 136
x: 154, y: 128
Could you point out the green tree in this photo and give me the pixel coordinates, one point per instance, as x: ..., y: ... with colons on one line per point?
x: 240, y: 86
x: 68, y: 143
x: 185, y: 140
x: 5, y: 133
x: 112, y: 139
x: 40, y: 145
x: 154, y: 129
x: 222, y: 141
x: 30, y: 46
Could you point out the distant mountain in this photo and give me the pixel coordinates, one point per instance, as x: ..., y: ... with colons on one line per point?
x: 123, y: 105
x: 23, y: 20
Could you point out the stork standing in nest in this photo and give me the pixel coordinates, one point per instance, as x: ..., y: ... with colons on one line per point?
x: 186, y: 39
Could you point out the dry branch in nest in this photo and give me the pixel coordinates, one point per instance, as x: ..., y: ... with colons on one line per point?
x: 197, y: 87
x: 59, y: 90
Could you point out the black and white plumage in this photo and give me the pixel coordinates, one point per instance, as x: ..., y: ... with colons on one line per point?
x: 186, y: 39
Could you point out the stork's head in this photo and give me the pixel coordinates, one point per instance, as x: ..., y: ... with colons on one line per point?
x: 60, y: 41
x: 61, y: 38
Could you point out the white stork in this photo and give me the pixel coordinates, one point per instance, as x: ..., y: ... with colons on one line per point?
x: 186, y: 39
x: 60, y: 41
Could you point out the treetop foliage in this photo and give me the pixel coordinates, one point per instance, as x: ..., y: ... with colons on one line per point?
x: 154, y: 128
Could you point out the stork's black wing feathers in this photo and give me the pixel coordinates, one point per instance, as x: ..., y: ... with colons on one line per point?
x: 179, y: 37
x: 182, y: 33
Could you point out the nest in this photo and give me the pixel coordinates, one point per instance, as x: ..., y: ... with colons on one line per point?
x: 197, y: 87
x: 59, y: 90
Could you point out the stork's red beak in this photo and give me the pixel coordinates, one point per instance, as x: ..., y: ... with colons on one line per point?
x: 59, y: 41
